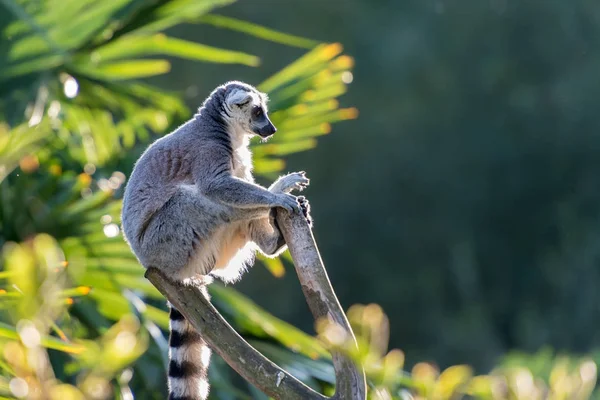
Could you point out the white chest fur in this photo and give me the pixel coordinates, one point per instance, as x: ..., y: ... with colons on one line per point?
x: 242, y: 163
x: 242, y: 157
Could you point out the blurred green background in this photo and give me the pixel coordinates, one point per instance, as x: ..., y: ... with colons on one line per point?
x: 464, y: 199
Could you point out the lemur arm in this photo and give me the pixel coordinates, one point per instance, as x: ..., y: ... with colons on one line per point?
x: 238, y: 193
x: 214, y: 180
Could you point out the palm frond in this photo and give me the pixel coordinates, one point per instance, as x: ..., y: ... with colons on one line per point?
x: 303, y: 101
x: 18, y: 142
x: 74, y: 105
x: 258, y: 31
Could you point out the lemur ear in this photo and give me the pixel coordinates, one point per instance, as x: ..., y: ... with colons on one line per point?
x: 238, y: 98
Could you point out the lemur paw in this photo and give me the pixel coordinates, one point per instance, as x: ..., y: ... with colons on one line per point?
x: 305, y: 207
x: 287, y: 183
x: 286, y: 201
x: 198, y: 281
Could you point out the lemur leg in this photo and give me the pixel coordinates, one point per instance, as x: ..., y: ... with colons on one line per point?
x: 265, y: 232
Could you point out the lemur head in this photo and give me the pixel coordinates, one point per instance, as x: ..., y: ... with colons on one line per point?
x: 245, y: 110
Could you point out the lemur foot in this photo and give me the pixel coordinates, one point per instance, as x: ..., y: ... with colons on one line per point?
x: 305, y: 207
x: 287, y: 183
x: 198, y: 281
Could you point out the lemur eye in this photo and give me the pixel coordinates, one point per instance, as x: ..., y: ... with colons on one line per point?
x: 257, y: 111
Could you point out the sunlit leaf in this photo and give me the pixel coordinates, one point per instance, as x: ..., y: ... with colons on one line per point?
x: 301, y: 67
x: 174, y: 12
x: 274, y: 265
x: 254, y: 320
x: 265, y: 166
x: 10, y: 332
x: 126, y: 69
x: 281, y: 149
x: 18, y: 142
x: 452, y: 381
x: 159, y: 44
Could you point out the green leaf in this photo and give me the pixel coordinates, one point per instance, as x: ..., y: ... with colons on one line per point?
x: 159, y: 44
x: 282, y: 149
x: 301, y: 367
x: 274, y: 265
x: 76, y: 31
x: 312, y: 120
x: 43, y: 63
x: 10, y: 332
x: 174, y: 12
x: 107, y: 281
x: 250, y: 318
x: 301, y: 67
x: 257, y: 31
x: 16, y: 9
x: 18, y: 142
x: 126, y: 69
x: 266, y: 166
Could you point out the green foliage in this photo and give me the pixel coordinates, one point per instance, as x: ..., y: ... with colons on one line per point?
x: 478, y: 146
x: 74, y: 302
x: 542, y: 376
x: 77, y: 319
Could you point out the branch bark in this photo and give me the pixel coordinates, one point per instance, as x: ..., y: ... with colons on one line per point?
x: 239, y: 354
x: 321, y: 299
x: 225, y: 341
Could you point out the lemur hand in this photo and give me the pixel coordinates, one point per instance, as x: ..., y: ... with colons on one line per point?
x: 287, y: 201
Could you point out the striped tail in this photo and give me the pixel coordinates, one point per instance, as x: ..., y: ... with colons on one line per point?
x: 189, y: 357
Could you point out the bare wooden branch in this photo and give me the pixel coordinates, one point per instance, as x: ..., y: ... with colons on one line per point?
x: 225, y: 341
x: 321, y: 299
x: 239, y: 354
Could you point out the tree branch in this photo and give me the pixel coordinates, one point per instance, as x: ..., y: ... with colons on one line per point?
x: 239, y: 354
x: 321, y: 299
x: 225, y: 341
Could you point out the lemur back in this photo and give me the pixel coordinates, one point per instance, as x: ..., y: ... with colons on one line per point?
x: 191, y: 209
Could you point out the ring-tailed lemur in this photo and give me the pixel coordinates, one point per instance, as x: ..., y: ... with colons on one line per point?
x: 191, y: 209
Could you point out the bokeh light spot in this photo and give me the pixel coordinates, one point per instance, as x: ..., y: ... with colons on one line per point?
x: 588, y: 371
x: 347, y: 77
x: 70, y: 87
x: 89, y: 168
x: 111, y: 230
x: 19, y: 387
x: 125, y: 341
x: 29, y: 334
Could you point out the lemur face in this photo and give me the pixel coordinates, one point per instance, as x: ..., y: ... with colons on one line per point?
x: 247, y: 111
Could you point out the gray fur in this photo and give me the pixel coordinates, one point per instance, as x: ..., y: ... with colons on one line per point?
x: 192, y: 196
x: 191, y: 209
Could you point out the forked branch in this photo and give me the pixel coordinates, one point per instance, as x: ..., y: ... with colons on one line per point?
x: 240, y: 355
x: 321, y: 299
